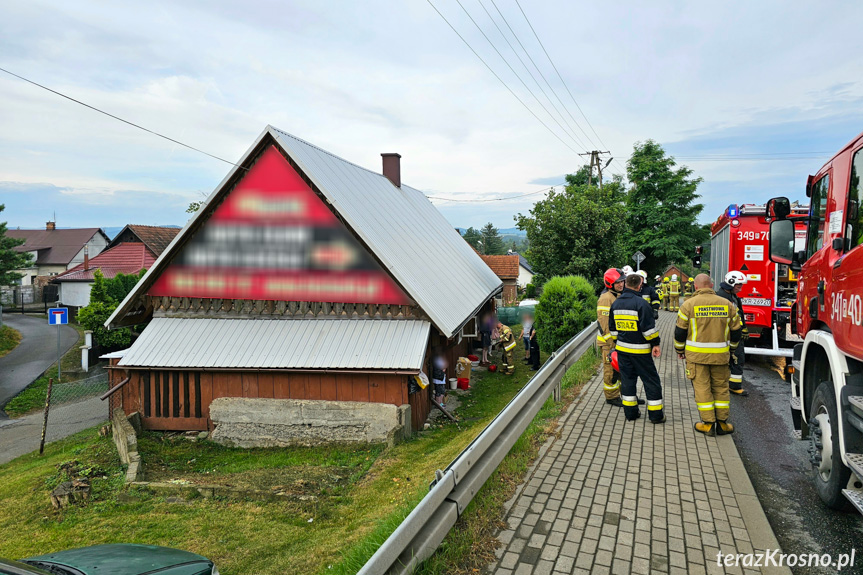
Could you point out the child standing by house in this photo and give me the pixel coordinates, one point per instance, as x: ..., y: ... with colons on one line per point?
x: 439, y: 365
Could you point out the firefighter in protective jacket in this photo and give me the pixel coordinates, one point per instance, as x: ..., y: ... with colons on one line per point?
x: 674, y: 293
x: 613, y: 280
x: 666, y: 296
x: 707, y: 330
x: 508, y: 343
x: 689, y: 287
x: 734, y: 282
x: 649, y: 294
x: 633, y: 328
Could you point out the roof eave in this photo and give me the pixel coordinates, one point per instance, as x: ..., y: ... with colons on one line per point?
x: 160, y: 262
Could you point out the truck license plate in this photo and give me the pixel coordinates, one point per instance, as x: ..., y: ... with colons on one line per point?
x: 760, y: 301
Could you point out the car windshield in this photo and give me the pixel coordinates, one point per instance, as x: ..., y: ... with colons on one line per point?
x: 8, y: 567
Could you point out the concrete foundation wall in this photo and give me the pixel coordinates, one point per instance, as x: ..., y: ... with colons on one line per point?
x: 263, y: 422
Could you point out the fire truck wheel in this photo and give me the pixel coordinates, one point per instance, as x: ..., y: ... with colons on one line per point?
x: 830, y: 474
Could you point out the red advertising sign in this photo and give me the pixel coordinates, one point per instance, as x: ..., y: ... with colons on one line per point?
x: 272, y: 238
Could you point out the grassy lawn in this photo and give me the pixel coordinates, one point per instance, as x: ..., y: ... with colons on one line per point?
x: 32, y: 397
x: 9, y: 339
x: 361, y: 493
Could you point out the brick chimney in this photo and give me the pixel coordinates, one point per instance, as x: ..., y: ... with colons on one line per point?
x: 50, y: 225
x: 393, y: 168
x: 86, y: 257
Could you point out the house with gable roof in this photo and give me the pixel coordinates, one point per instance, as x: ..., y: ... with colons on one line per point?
x: 303, y: 277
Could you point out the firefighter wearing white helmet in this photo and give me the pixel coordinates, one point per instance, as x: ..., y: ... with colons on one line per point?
x: 674, y: 293
x: 649, y: 294
x: 627, y: 270
x: 734, y: 282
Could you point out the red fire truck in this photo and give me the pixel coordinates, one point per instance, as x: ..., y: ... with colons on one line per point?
x: 827, y: 383
x: 739, y: 242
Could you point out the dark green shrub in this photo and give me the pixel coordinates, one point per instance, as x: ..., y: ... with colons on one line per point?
x: 530, y: 290
x: 567, y: 305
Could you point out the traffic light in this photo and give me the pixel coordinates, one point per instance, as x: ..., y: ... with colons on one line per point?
x: 696, y: 259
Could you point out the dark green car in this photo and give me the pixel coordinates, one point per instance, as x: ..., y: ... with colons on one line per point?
x: 124, y: 559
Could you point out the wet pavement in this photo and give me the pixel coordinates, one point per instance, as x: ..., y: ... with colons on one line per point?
x: 778, y: 466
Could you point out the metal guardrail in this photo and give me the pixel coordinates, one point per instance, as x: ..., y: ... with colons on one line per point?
x: 423, y: 530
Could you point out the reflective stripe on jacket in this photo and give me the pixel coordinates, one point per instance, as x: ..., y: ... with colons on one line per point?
x: 708, y: 327
x: 674, y: 287
x: 507, y: 339
x: 631, y: 324
x: 603, y: 307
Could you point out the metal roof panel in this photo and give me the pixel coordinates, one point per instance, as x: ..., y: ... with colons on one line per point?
x: 365, y: 344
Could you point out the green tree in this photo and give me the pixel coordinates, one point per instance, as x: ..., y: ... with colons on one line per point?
x: 567, y: 305
x: 10, y: 260
x: 662, y: 208
x: 473, y: 237
x: 576, y: 231
x: 105, y: 296
x: 194, y: 207
x: 492, y: 243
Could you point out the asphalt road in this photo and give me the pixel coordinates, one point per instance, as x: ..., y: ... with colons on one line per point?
x: 36, y: 352
x: 778, y: 465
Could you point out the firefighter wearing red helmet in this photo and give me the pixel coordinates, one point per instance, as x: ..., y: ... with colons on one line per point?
x: 613, y: 280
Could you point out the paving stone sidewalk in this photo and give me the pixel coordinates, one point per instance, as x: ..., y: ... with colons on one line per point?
x: 611, y: 496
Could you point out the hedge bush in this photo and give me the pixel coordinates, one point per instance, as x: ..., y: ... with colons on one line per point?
x: 530, y: 290
x: 566, y: 306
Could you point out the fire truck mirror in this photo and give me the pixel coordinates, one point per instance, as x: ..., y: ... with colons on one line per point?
x: 782, y: 241
x: 778, y: 208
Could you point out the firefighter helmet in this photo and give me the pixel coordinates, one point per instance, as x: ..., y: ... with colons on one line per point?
x: 612, y: 276
x: 642, y: 273
x: 734, y: 278
x: 674, y: 277
x: 614, y: 362
x: 665, y: 279
x: 657, y: 278
x: 627, y: 270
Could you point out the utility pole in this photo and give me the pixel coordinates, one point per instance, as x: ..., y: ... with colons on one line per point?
x: 595, y: 160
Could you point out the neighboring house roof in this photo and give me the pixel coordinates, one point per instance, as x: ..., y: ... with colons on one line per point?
x: 54, y: 247
x: 400, y: 227
x: 504, y: 267
x: 522, y: 261
x: 126, y: 258
x: 157, y: 238
x: 367, y: 344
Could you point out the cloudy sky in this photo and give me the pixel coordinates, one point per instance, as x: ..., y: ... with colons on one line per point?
x: 359, y: 78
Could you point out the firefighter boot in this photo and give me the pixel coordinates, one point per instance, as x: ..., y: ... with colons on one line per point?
x: 616, y: 402
x: 724, y: 428
x: 707, y: 428
x: 739, y: 392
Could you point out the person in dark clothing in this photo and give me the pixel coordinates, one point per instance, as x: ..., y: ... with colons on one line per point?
x: 734, y: 282
x: 534, y: 348
x: 633, y: 328
x: 648, y: 293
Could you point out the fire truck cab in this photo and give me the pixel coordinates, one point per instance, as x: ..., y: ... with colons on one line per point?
x: 827, y: 383
x: 740, y: 242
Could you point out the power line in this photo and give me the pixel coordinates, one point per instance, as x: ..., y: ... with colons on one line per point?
x: 484, y: 200
x: 95, y: 109
x: 520, y: 101
x: 526, y: 87
x: 558, y: 73
x: 562, y: 81
x: 547, y: 83
x: 525, y: 66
